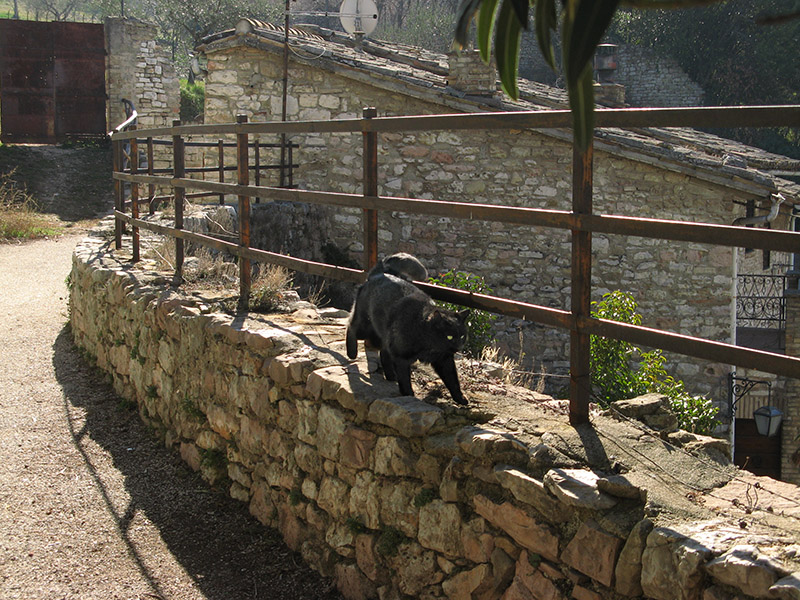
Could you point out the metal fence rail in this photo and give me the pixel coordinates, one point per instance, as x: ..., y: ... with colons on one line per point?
x: 580, y: 220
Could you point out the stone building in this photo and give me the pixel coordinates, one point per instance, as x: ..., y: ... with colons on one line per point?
x: 140, y: 70
x: 674, y: 174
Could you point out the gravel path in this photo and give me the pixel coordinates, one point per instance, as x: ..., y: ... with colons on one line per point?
x: 91, y: 504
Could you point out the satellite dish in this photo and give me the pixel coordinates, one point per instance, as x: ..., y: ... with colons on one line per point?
x: 358, y: 16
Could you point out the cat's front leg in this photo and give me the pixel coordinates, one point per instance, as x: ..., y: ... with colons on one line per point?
x: 403, y: 368
x: 446, y: 369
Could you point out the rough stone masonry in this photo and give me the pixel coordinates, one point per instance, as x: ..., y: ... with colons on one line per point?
x: 400, y: 497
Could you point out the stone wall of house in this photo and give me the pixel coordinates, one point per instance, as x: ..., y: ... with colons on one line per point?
x: 680, y: 287
x: 391, y: 496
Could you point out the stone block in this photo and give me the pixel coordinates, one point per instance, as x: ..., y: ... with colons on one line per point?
x: 440, y: 528
x: 532, y: 491
x: 261, y: 505
x: 334, y: 497
x: 628, y: 573
x: 397, y: 507
x: 394, y: 456
x: 672, y: 565
x: 222, y: 421
x: 519, y: 525
x: 463, y: 584
x: 416, y: 568
x: 531, y: 579
x: 331, y: 424
x: 743, y: 568
x: 578, y: 488
x: 480, y: 442
x: 364, y: 503
x: 352, y: 583
x: 581, y: 593
x: 366, y: 558
x: 190, y: 455
x: 356, y: 447
x: 408, y: 416
x: 787, y: 588
x: 593, y: 552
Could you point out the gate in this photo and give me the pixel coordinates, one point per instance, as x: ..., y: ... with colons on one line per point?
x: 52, y: 81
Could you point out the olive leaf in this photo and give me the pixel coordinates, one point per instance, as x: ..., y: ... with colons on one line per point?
x: 583, y: 25
x: 509, y: 30
x: 546, y: 21
x: 486, y: 28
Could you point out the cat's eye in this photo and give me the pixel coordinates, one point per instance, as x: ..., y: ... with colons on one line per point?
x: 450, y: 338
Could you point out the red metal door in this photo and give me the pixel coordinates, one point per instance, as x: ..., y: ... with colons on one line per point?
x: 52, y: 80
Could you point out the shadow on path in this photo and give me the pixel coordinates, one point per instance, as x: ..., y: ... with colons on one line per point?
x: 227, y: 553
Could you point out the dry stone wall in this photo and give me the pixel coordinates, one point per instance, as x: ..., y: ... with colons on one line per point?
x: 391, y: 496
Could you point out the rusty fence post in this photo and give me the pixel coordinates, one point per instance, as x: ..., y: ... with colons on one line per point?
x: 580, y: 377
x: 134, y: 158
x: 257, y: 161
x: 221, y: 161
x: 242, y: 168
x: 370, y: 159
x: 179, y: 172
x: 119, y: 193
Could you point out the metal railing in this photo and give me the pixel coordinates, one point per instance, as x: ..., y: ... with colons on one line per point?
x: 581, y: 221
x: 760, y: 301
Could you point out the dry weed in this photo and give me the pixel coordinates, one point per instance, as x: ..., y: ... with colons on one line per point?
x: 18, y: 216
x: 268, y: 286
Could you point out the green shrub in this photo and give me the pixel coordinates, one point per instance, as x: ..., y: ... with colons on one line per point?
x: 193, y: 97
x: 479, y: 322
x: 614, y: 377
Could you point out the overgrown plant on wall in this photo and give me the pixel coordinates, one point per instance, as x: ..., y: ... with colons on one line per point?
x: 621, y: 370
x: 479, y: 323
x: 192, y: 100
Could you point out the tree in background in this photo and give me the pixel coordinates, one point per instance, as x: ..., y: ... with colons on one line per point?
x: 54, y: 10
x: 737, y: 51
x: 425, y: 23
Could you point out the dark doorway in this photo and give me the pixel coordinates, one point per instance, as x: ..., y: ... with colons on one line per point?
x: 52, y: 81
x: 759, y: 454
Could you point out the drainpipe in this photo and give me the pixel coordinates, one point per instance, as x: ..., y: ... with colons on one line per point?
x: 777, y: 200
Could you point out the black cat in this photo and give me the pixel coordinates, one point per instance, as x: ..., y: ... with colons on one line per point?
x: 394, y: 315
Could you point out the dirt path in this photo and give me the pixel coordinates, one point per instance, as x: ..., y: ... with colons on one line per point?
x: 91, y: 505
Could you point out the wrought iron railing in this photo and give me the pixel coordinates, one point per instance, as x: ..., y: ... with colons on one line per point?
x: 760, y: 301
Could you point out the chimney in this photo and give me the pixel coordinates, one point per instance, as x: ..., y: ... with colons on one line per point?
x: 470, y: 75
x: 606, y: 91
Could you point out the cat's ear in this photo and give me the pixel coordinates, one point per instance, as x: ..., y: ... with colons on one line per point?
x: 463, y: 315
x: 433, y: 316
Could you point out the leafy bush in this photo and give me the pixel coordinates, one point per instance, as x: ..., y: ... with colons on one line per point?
x: 479, y: 322
x: 614, y: 378
x: 193, y: 96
